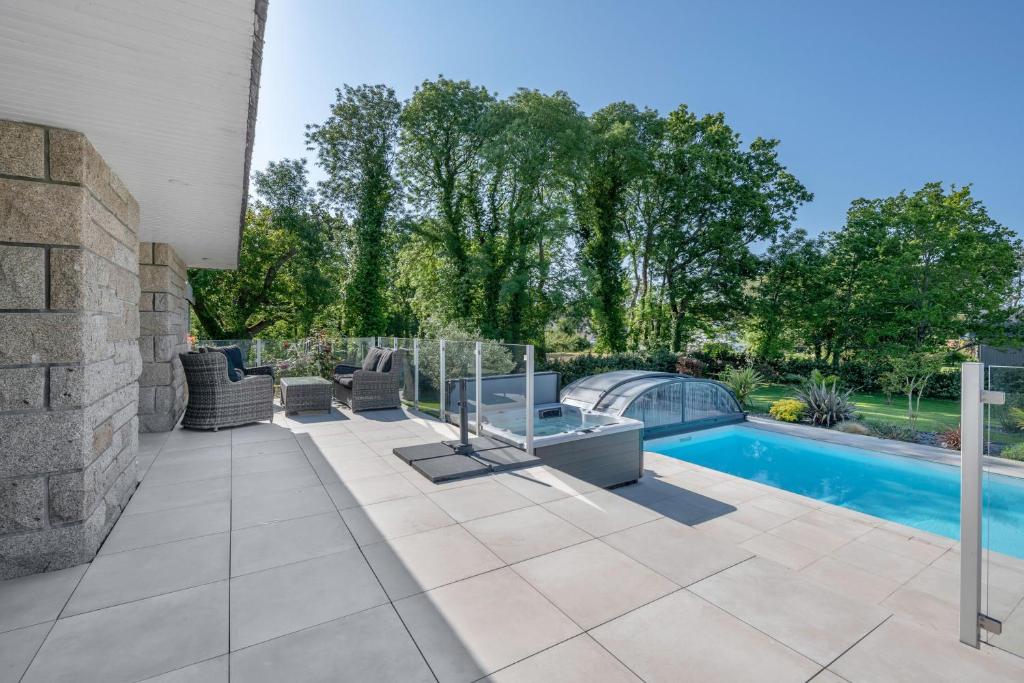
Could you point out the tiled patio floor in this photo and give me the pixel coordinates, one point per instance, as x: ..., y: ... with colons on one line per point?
x: 303, y: 551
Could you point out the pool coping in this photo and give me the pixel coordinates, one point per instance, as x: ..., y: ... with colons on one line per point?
x: 873, y: 443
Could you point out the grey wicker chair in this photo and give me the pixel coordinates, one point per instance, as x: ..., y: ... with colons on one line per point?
x: 214, y: 401
x: 364, y: 389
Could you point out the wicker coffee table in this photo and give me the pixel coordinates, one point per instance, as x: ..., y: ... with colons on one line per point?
x: 305, y: 393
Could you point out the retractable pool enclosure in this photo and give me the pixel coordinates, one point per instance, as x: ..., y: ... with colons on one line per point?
x: 664, y: 402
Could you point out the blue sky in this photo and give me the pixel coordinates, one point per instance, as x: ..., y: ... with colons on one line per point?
x: 868, y: 98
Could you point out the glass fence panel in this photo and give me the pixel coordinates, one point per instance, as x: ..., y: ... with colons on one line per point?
x: 424, y: 382
x: 1002, y: 521
x: 351, y: 350
x: 407, y: 381
x: 503, y: 405
x: 309, y: 357
x: 427, y: 377
x: 460, y: 363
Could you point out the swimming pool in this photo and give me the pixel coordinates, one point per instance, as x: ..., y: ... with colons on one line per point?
x: 908, y: 491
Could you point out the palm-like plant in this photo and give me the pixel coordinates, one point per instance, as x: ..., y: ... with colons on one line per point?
x: 826, y: 404
x: 742, y: 382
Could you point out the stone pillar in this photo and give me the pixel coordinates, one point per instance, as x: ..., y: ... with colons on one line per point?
x: 163, y: 310
x: 69, y: 354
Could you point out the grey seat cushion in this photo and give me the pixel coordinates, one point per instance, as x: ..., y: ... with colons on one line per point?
x: 372, y: 358
x: 344, y: 380
x: 384, y: 364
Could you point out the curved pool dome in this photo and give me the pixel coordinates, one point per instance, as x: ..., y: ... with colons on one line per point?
x: 666, y: 403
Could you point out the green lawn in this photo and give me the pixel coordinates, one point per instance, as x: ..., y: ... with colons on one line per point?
x: 936, y: 414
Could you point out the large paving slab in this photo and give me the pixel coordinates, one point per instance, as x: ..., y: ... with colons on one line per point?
x: 472, y: 628
x: 30, y: 600
x: 303, y: 549
x: 370, y: 647
x: 580, y: 660
x: 683, y: 637
x: 291, y: 597
x: 413, y: 564
x: 135, y: 574
x: 520, y: 534
x: 593, y: 582
x: 676, y: 551
x: 781, y: 603
x: 136, y: 640
x: 900, y: 651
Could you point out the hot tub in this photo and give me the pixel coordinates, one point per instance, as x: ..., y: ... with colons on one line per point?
x: 603, y: 450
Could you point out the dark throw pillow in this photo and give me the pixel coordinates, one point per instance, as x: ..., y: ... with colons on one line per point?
x: 233, y: 355
x: 372, y: 358
x: 384, y: 364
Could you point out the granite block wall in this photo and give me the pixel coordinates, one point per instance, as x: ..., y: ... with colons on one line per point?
x: 69, y: 348
x: 164, y: 320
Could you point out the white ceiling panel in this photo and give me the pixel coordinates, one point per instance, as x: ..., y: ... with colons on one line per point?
x: 161, y: 89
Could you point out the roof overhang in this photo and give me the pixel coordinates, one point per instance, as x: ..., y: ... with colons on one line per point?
x: 165, y: 91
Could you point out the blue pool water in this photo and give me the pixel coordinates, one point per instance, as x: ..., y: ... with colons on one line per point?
x: 908, y: 491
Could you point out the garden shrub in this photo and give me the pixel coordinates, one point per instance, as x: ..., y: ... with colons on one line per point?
x: 787, y: 410
x: 560, y: 340
x: 1014, y: 452
x: 742, y: 382
x: 685, y: 365
x: 852, y: 427
x: 950, y: 438
x: 944, y: 384
x: 826, y: 404
x: 818, y: 377
x: 717, y: 356
x: 1011, y: 414
x: 895, y: 432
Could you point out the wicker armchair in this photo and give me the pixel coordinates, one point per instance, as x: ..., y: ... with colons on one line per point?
x: 364, y: 389
x: 214, y: 401
x: 235, y: 354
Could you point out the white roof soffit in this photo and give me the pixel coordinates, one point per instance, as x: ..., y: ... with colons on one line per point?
x: 165, y: 91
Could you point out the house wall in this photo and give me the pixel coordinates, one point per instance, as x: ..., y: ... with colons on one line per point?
x: 69, y: 349
x: 163, y: 312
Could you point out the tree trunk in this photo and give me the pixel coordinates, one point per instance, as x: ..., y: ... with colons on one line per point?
x: 211, y: 325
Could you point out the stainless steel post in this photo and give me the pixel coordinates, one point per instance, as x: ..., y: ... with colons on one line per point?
x: 971, y: 441
x: 441, y: 349
x: 529, y: 399
x: 416, y: 373
x: 478, y: 387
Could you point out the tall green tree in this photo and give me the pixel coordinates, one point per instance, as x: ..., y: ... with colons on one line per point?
x: 713, y: 198
x: 441, y: 136
x: 917, y: 270
x: 356, y: 147
x: 490, y: 191
x: 788, y: 298
x: 288, y: 263
x: 905, y: 275
x: 534, y: 143
x: 622, y: 142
